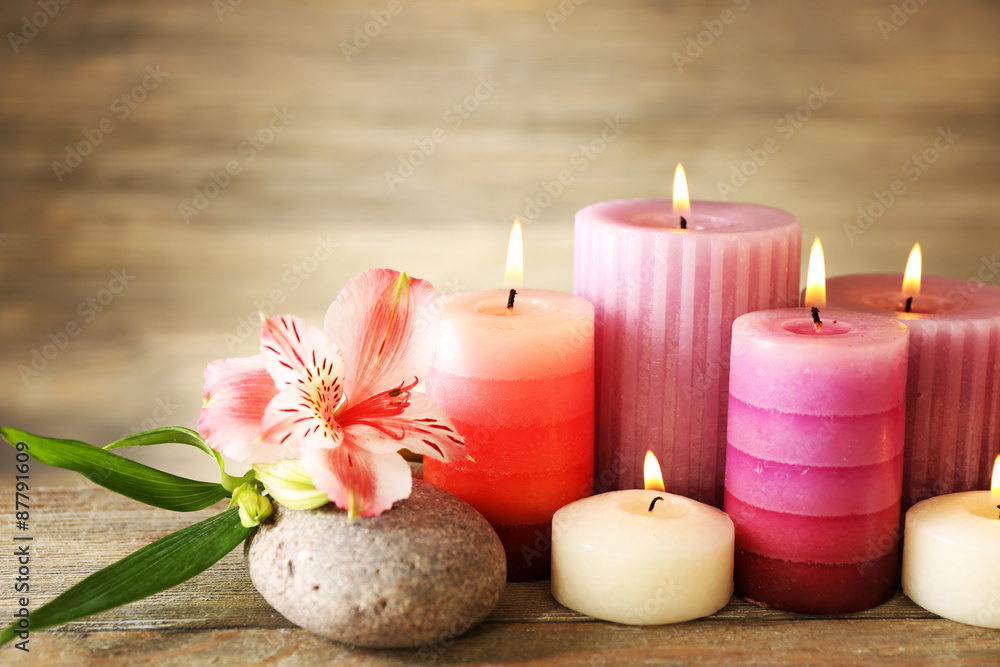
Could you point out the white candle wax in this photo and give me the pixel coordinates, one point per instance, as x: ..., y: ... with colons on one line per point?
x: 951, y: 557
x: 614, y: 559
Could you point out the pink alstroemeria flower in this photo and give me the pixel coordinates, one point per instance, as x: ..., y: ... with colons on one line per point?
x: 341, y: 400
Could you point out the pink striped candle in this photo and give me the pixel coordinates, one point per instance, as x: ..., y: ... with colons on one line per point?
x: 815, y: 458
x: 953, y: 392
x: 665, y: 299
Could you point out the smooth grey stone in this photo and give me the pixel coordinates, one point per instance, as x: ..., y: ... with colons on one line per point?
x: 420, y: 574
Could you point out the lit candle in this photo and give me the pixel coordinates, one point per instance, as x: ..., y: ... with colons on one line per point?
x: 953, y: 390
x: 815, y: 455
x: 951, y: 555
x: 665, y: 294
x: 642, y: 557
x: 518, y: 382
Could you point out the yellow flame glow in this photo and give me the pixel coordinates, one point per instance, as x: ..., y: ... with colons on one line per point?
x: 652, y: 476
x: 682, y: 203
x: 816, y: 277
x: 911, y: 279
x: 514, y: 275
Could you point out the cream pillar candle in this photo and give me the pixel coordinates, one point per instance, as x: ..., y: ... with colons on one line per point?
x: 951, y: 555
x: 642, y: 557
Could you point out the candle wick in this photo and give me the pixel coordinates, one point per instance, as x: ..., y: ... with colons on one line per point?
x: 684, y: 223
x: 818, y: 323
x: 909, y: 304
x: 661, y: 498
x: 510, y: 301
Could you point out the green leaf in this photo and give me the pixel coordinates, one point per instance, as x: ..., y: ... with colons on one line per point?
x: 124, y: 476
x: 183, y: 436
x: 152, y: 569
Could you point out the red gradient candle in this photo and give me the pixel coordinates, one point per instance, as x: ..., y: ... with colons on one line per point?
x: 518, y: 383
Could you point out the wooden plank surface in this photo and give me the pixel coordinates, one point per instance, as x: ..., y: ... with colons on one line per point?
x: 218, y: 618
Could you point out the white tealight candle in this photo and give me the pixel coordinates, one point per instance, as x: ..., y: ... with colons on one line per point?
x: 951, y: 555
x: 642, y: 557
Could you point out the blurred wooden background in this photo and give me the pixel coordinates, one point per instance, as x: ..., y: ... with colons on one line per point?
x: 130, y: 257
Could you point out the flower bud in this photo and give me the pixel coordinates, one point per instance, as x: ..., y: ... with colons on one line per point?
x: 254, y: 507
x: 287, y: 482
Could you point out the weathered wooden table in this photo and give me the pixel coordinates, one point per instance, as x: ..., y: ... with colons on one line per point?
x: 218, y: 618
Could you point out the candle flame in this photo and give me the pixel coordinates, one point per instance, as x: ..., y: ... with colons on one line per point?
x: 651, y: 473
x: 514, y: 276
x: 682, y: 203
x: 911, y: 279
x: 816, y: 277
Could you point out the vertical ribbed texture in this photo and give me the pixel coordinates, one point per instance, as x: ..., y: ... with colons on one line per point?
x: 953, y: 380
x: 664, y: 307
x: 952, y: 407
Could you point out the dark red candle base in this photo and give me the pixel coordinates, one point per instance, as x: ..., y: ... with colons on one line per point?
x: 528, y: 549
x: 815, y: 588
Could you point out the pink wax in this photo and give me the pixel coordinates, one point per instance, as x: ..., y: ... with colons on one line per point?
x: 519, y: 386
x: 665, y: 299
x: 815, y: 458
x: 953, y: 386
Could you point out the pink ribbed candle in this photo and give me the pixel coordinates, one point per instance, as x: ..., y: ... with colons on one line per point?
x: 953, y: 391
x: 815, y: 458
x: 665, y: 299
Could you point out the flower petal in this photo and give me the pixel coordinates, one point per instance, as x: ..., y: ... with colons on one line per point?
x: 401, y: 418
x: 387, y: 325
x: 298, y: 418
x: 363, y: 483
x: 309, y: 371
x: 296, y: 352
x: 237, y: 392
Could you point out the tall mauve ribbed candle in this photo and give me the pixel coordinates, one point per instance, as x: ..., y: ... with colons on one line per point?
x: 665, y: 299
x: 953, y: 386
